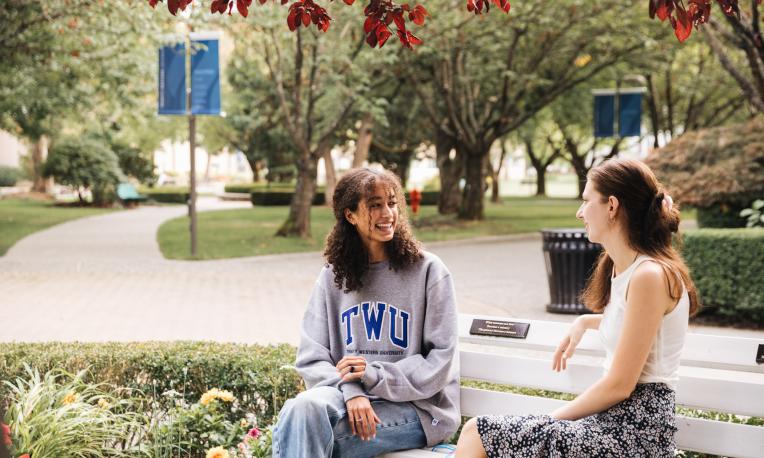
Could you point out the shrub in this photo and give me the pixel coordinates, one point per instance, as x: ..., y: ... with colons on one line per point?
x: 249, y: 187
x: 9, y: 175
x: 720, y: 216
x: 85, y: 163
x: 754, y: 215
x: 428, y: 198
x: 727, y: 267
x: 167, y: 194
x: 719, y: 170
x: 59, y: 414
x: 260, y: 377
x: 282, y: 197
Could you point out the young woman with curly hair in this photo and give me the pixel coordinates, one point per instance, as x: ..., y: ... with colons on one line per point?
x: 642, y: 296
x: 378, y: 339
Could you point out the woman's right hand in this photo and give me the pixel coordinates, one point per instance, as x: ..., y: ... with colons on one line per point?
x: 568, y: 345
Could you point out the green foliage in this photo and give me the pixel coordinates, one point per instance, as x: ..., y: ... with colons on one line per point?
x: 133, y: 163
x: 9, y: 175
x: 60, y: 414
x: 198, y: 427
x: 167, y: 194
x: 721, y: 216
x: 268, y: 197
x: 250, y: 187
x: 260, y: 377
x: 727, y: 266
x: 428, y: 197
x: 754, y: 215
x: 85, y: 163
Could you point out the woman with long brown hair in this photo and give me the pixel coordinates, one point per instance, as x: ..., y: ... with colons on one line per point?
x: 642, y: 296
x: 378, y: 341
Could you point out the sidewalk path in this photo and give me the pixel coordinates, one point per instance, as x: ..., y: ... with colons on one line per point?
x: 103, y: 278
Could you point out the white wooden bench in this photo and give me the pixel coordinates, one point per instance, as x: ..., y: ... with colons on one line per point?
x: 718, y: 373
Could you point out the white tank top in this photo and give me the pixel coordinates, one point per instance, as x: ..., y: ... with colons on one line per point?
x: 663, y: 361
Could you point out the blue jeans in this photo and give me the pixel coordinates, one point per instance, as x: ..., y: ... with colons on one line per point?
x: 314, y: 424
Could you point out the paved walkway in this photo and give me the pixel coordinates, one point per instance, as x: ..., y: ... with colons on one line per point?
x: 103, y: 278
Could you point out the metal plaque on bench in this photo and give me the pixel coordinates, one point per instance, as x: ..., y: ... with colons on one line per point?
x: 499, y: 328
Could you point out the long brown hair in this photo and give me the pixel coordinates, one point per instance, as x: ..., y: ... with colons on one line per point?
x: 345, y: 250
x: 649, y: 227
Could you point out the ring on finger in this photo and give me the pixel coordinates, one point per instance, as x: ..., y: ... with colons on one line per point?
x: 352, y: 368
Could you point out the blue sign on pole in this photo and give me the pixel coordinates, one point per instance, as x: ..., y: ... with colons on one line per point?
x: 630, y: 114
x: 629, y: 119
x: 205, y: 76
x: 172, y: 80
x: 604, y: 115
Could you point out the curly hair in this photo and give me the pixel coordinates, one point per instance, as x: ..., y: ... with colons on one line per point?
x: 649, y: 227
x: 345, y: 251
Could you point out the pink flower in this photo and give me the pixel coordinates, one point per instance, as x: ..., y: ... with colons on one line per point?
x: 26, y: 455
x: 5, y: 434
x: 254, y: 433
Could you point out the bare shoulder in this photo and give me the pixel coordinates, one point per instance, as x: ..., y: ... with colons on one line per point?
x: 649, y: 285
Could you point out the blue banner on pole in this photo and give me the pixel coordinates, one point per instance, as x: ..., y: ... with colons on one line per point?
x: 205, y: 77
x: 630, y: 114
x: 172, y: 80
x: 604, y: 115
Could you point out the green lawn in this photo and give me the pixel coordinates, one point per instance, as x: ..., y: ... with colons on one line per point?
x: 21, y: 217
x: 249, y: 232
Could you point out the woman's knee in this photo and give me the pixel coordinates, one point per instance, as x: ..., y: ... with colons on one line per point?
x: 469, y: 444
x: 315, y: 401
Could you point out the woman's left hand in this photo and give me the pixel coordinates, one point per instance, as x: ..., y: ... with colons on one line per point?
x: 351, y: 368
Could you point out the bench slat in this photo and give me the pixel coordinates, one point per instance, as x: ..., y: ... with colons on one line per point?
x: 706, y: 389
x: 718, y: 352
x: 694, y: 434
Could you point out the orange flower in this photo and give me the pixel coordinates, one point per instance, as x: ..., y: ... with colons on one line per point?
x: 218, y: 452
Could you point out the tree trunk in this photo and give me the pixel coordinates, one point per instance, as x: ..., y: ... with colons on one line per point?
x: 450, y: 171
x: 331, y: 176
x: 652, y: 105
x: 298, y: 221
x: 472, y: 198
x: 581, y: 172
x: 364, y: 140
x: 496, y: 171
x: 403, y: 166
x: 540, y: 181
x: 39, y: 155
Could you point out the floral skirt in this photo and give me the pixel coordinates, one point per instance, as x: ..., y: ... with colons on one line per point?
x: 641, y: 426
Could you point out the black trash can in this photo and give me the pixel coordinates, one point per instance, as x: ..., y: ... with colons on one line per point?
x: 570, y: 259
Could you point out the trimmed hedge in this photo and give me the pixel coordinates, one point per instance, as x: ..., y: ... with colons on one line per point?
x: 167, y: 194
x: 246, y: 188
x: 727, y: 266
x: 260, y: 377
x: 9, y: 175
x: 428, y: 198
x: 279, y: 197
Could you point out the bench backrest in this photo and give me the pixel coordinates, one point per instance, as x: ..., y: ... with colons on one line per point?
x: 126, y: 191
x: 717, y: 373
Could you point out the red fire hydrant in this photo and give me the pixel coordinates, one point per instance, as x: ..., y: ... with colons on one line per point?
x: 416, y: 198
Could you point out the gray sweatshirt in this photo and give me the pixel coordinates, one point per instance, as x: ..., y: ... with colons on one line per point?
x: 405, y: 324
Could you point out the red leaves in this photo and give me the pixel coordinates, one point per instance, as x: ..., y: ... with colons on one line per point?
x: 380, y: 14
x: 418, y: 14
x: 695, y: 14
x: 243, y: 6
x: 477, y: 6
x: 305, y: 12
x: 174, y: 5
